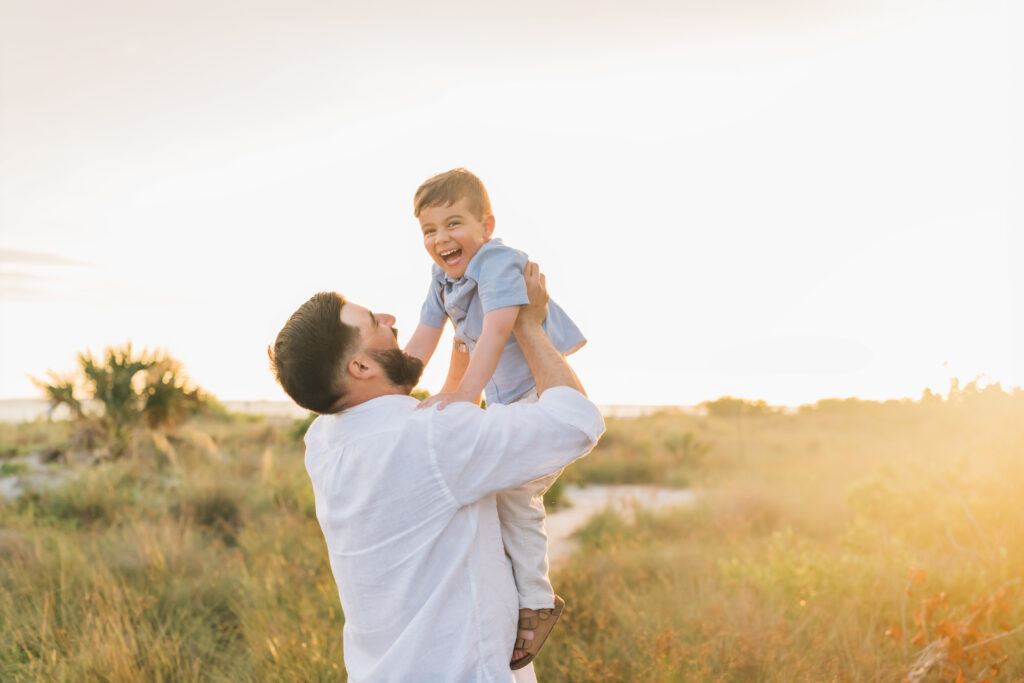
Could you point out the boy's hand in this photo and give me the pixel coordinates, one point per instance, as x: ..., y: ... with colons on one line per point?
x: 536, y: 311
x: 443, y: 399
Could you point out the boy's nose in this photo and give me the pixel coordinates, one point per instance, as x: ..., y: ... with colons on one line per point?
x: 386, y: 319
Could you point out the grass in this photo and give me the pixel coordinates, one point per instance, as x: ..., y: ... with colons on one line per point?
x: 204, y: 567
x: 849, y: 543
x: 820, y: 541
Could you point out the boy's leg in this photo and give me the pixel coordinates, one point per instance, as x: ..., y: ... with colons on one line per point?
x: 521, y: 513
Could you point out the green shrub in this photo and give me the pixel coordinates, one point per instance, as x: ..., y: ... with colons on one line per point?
x: 9, y: 469
x: 135, y: 390
x: 553, y: 497
x: 297, y: 431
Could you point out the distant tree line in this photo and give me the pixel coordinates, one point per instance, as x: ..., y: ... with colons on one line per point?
x: 971, y: 395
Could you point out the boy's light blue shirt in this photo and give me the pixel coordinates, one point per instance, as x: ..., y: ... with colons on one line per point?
x: 494, y: 279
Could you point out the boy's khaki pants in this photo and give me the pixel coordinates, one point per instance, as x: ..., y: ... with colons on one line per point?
x: 521, y: 513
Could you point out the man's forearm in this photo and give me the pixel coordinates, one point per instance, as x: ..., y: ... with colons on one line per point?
x: 547, y: 364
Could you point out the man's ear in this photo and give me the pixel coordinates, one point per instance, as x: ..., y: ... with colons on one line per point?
x: 362, y: 367
x: 488, y: 225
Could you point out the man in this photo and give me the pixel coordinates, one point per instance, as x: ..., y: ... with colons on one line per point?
x: 406, y: 498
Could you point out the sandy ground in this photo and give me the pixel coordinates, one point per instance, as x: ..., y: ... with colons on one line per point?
x: 35, y: 475
x: 585, y: 502
x: 594, y: 498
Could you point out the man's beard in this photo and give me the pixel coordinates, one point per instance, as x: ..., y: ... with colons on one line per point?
x: 402, y: 370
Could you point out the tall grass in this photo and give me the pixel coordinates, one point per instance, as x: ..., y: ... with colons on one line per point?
x: 857, y: 542
x: 846, y: 542
x: 209, y: 568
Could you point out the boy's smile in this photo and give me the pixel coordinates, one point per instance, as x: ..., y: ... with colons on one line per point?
x: 452, y: 235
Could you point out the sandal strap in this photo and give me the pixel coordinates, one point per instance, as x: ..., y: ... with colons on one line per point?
x: 540, y: 621
x: 528, y: 622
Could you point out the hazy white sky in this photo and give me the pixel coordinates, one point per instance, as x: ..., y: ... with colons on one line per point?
x: 781, y: 200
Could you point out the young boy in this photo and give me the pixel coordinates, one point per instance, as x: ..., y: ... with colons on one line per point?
x: 477, y: 282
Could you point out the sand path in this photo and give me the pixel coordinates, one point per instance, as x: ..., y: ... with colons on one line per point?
x: 589, y: 500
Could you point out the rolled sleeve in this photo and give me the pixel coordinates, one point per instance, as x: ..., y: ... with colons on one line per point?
x: 572, y: 407
x: 480, y: 452
x: 498, y: 271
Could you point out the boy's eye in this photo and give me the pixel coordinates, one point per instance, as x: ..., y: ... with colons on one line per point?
x: 428, y: 231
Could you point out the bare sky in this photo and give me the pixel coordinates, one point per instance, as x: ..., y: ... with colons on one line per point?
x: 779, y: 200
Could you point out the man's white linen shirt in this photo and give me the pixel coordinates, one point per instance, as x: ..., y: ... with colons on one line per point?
x: 405, y: 499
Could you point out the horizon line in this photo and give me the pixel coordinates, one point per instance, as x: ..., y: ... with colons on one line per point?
x: 1006, y: 389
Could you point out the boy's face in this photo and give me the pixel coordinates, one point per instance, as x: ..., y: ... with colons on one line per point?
x: 453, y: 234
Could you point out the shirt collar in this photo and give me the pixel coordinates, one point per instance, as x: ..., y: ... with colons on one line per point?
x: 375, y: 403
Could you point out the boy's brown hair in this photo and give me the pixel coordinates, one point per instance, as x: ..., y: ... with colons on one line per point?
x: 444, y: 189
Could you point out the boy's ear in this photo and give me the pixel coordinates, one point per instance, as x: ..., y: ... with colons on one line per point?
x: 362, y: 367
x: 488, y: 225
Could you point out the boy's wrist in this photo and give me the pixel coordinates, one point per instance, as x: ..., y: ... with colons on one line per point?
x: 468, y: 390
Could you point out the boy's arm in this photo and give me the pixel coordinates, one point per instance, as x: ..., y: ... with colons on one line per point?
x: 456, y: 367
x: 423, y: 342
x: 497, y: 327
x: 480, y: 452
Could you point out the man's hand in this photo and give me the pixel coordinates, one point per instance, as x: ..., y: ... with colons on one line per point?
x: 443, y: 399
x: 546, y: 362
x: 536, y: 311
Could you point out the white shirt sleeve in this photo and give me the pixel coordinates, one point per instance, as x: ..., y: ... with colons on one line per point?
x: 479, y: 452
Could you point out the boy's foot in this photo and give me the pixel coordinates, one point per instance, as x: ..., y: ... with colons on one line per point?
x: 534, y: 628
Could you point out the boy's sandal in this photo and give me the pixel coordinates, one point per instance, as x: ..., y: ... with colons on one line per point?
x: 540, y: 621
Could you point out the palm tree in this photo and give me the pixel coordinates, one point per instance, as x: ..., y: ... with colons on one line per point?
x: 60, y: 391
x: 149, y: 389
x: 113, y: 384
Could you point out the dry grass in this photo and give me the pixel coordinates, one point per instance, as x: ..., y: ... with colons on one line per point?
x: 205, y: 565
x: 807, y: 550
x: 199, y: 556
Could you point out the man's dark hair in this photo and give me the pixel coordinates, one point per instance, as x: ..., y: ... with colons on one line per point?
x: 309, y: 355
